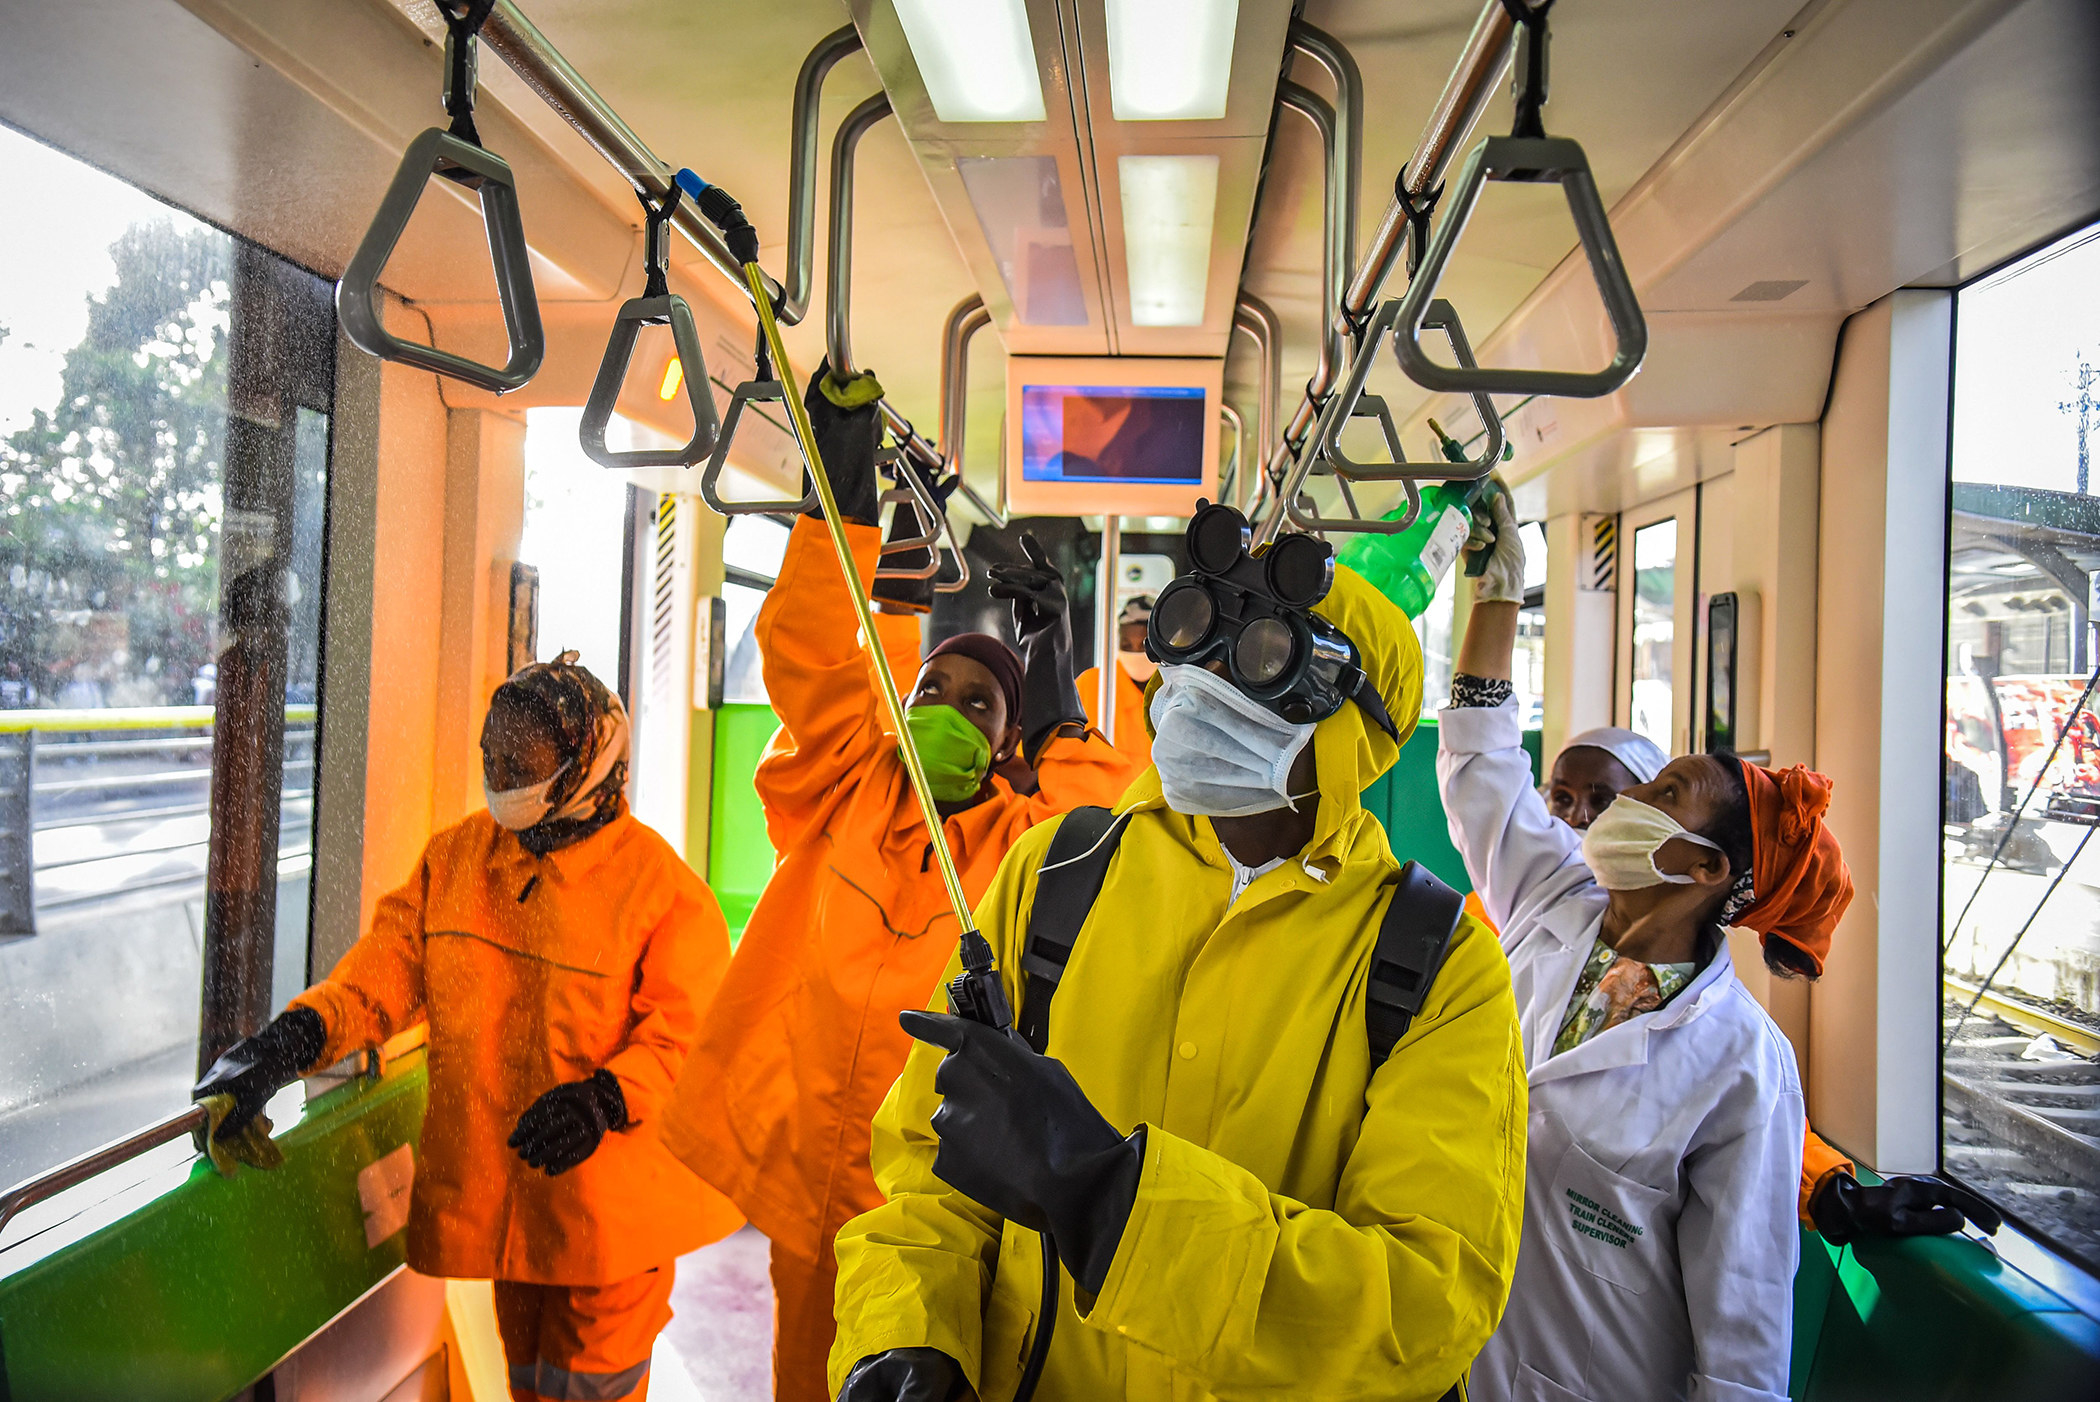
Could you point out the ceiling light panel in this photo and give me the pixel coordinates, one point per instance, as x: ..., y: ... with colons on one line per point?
x: 1170, y: 60
x: 1169, y: 214
x: 975, y: 57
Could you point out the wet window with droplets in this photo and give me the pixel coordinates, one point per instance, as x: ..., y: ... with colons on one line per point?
x: 165, y: 411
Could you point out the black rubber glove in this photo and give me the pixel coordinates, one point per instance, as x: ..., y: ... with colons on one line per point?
x: 1845, y: 1209
x: 848, y: 428
x: 256, y: 1068
x: 905, y: 524
x: 1049, y: 694
x: 563, y: 1127
x: 904, y: 1375
x: 1019, y: 1136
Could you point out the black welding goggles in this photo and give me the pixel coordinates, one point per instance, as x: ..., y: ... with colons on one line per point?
x: 1254, y: 613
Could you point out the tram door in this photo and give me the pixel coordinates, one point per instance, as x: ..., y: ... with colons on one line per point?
x: 1653, y: 691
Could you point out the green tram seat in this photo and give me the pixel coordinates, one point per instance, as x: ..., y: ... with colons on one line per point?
x: 200, y: 1291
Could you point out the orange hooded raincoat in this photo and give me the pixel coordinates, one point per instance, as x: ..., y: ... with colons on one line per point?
x: 533, y: 971
x: 802, y: 1042
x: 1131, y: 736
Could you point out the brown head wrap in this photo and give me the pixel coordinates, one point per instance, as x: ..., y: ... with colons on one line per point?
x: 1797, y: 871
x: 995, y: 657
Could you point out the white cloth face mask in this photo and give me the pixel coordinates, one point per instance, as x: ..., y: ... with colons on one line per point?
x: 1137, y: 665
x: 519, y: 809
x: 1219, y: 753
x: 1620, y: 846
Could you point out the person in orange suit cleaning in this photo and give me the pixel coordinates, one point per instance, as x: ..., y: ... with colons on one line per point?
x: 802, y: 1042
x: 1134, y: 668
x: 561, y: 953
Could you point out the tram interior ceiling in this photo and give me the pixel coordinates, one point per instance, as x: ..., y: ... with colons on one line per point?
x: 1780, y: 314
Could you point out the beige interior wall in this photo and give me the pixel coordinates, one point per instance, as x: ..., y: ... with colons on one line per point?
x: 1881, y: 591
x: 483, y: 520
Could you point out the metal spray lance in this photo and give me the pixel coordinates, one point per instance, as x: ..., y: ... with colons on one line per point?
x: 977, y: 993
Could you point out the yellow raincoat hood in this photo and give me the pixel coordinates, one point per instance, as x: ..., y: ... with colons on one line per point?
x: 1306, y: 1224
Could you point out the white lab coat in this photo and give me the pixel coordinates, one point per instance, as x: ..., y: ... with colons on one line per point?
x: 1664, y: 1158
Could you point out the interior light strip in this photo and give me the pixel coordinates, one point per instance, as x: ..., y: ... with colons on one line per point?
x: 975, y: 57
x: 1169, y: 204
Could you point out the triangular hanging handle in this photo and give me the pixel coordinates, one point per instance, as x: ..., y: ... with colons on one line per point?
x: 1304, y: 513
x: 438, y: 152
x: 1531, y: 159
x: 669, y: 309
x: 1350, y: 399
x: 748, y: 393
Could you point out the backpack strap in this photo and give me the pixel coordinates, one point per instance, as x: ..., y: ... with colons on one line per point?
x: 1065, y: 887
x: 1412, y: 938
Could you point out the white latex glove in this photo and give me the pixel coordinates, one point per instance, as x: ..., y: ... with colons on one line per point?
x: 1503, y: 582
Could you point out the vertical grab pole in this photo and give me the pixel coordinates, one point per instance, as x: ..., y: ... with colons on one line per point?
x: 1111, y: 566
x: 893, y: 703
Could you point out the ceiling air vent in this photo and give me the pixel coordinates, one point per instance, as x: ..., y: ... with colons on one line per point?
x: 1771, y: 290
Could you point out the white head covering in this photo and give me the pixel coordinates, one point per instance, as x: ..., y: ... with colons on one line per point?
x: 1643, y: 758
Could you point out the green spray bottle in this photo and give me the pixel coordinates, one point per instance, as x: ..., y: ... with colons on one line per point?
x: 1408, y: 567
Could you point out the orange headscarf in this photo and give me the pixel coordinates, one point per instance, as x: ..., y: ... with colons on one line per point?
x: 1799, y: 875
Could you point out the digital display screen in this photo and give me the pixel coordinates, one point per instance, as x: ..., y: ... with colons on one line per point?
x: 1112, y: 433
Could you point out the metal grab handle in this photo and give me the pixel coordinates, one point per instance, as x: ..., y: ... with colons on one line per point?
x: 1530, y: 159
x: 911, y: 495
x: 75, y: 1171
x: 749, y: 392
x: 634, y: 314
x: 1441, y: 316
x: 438, y: 152
x: 1300, y: 509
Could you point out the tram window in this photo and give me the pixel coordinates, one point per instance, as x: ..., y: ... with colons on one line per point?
x: 1654, y: 630
x: 575, y: 532
x: 158, y: 550
x: 755, y: 545
x: 2021, y: 991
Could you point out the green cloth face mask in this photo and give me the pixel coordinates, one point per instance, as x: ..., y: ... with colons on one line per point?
x: 955, y: 752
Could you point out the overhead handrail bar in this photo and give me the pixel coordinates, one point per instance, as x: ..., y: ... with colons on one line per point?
x: 838, y: 309
x: 1528, y: 156
x: 1346, y: 403
x: 514, y: 39
x: 657, y: 306
x: 838, y: 335
x: 802, y: 169
x: 1253, y: 319
x: 1316, y: 110
x: 1465, y: 95
x: 965, y: 320
x: 75, y: 1171
x: 1345, y: 166
x: 455, y: 153
x: 1229, y: 479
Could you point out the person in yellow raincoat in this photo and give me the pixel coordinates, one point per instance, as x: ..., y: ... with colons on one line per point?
x: 1244, y: 1208
x: 1134, y: 668
x: 802, y: 1041
x: 561, y: 953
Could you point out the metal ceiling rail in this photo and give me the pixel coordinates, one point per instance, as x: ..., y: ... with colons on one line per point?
x: 515, y: 40
x: 838, y: 281
x: 1316, y: 110
x: 1253, y: 319
x: 1458, y: 107
x: 802, y: 168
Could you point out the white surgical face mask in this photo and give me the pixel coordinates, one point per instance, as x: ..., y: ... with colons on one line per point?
x: 1137, y: 665
x: 519, y: 809
x: 1620, y: 846
x: 1220, y: 754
